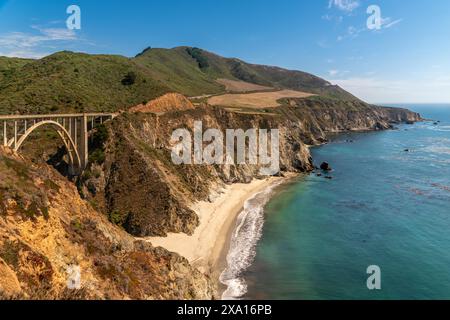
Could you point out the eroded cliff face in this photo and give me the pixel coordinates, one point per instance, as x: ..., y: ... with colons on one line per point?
x: 47, y: 233
x: 141, y: 189
x: 320, y: 117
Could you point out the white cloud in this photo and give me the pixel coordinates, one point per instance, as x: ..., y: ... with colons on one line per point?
x: 387, y: 23
x: 54, y: 34
x: 333, y: 72
x: 344, y: 5
x: 338, y: 19
x: 351, y: 33
x: 27, y: 45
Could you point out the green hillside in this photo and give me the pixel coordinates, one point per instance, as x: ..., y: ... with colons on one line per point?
x: 9, y: 66
x: 77, y: 82
x: 177, y: 69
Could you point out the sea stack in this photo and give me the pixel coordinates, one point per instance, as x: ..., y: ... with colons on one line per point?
x: 325, y: 166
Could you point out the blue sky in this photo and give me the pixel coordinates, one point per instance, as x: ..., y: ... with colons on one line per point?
x: 407, y: 60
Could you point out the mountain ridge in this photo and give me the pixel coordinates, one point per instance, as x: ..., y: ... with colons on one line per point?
x: 79, y: 82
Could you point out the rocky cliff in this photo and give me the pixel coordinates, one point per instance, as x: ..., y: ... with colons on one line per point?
x: 52, y: 240
x: 141, y: 189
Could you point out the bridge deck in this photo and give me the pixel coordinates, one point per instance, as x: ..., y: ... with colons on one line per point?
x: 56, y: 116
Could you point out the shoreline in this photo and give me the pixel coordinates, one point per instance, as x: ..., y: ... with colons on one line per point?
x: 208, y: 247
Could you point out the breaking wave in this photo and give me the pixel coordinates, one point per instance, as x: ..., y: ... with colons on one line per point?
x: 243, y: 243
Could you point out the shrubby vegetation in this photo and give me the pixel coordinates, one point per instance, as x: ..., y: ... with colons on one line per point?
x: 129, y: 79
x: 197, y: 54
x: 97, y: 146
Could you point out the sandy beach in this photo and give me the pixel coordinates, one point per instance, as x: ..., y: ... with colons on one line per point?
x: 206, y: 249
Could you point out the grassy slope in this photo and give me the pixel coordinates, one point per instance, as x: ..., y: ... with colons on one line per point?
x: 9, y: 66
x: 179, y: 71
x: 76, y: 82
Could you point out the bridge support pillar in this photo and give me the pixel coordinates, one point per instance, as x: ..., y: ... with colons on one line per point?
x: 83, y: 146
x: 5, y: 137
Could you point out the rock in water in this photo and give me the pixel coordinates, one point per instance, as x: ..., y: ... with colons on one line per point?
x: 325, y: 166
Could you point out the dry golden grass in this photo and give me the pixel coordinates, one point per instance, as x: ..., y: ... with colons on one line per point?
x: 166, y: 103
x: 241, y: 86
x: 256, y: 100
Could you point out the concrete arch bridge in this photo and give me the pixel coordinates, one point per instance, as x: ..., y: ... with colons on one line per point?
x: 73, y: 129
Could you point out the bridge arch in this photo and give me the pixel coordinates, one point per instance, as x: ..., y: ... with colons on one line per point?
x: 71, y: 147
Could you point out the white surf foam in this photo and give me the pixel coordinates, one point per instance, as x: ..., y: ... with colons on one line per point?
x: 243, y: 244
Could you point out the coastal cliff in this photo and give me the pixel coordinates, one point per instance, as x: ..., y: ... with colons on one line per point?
x: 48, y: 233
x: 144, y: 192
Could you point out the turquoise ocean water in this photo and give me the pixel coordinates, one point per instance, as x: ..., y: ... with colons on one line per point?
x: 385, y: 206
